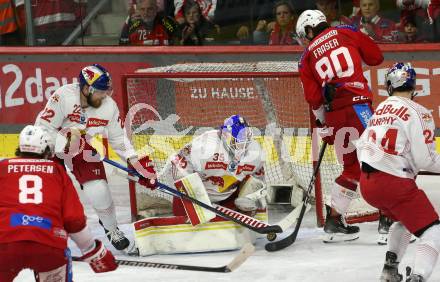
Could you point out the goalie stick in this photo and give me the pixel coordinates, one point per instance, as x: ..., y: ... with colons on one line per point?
x: 245, y: 252
x: 239, y: 218
x: 300, y: 210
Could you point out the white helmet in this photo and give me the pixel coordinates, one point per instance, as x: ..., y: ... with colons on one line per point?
x: 400, y: 75
x: 33, y: 139
x: 309, y: 18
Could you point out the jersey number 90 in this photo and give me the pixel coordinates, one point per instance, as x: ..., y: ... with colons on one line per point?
x: 326, y: 65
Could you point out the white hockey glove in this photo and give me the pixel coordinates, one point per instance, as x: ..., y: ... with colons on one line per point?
x: 319, y: 115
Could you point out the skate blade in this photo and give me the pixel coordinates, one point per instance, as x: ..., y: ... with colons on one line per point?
x: 382, y: 239
x: 391, y: 278
x: 339, y: 237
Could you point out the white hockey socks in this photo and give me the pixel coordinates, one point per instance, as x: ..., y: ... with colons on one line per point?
x: 83, y: 239
x: 398, y: 240
x: 192, y: 186
x: 98, y: 194
x: 427, y: 251
x: 341, y: 198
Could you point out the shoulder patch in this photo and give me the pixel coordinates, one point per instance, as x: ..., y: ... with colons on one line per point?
x: 347, y: 26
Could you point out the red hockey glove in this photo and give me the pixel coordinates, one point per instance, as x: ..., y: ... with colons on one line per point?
x: 145, y: 168
x: 100, y: 259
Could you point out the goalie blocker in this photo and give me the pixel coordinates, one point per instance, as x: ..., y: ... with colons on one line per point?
x: 195, y: 231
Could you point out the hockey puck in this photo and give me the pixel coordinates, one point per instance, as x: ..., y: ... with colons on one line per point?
x: 271, y: 236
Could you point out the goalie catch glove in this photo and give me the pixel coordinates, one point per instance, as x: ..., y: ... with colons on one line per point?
x: 100, y: 259
x: 145, y: 168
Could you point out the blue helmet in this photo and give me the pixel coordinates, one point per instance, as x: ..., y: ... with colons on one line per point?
x: 236, y: 134
x: 400, y: 76
x: 95, y: 76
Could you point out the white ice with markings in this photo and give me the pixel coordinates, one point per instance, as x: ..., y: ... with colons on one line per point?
x: 308, y: 259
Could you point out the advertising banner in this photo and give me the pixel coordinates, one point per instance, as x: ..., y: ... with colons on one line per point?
x: 26, y: 86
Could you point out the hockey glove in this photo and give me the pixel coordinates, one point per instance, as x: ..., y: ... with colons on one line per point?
x: 100, y: 259
x: 326, y: 133
x: 145, y: 168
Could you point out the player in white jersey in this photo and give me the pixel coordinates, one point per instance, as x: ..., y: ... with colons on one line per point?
x: 72, y: 116
x: 396, y: 145
x: 225, y: 160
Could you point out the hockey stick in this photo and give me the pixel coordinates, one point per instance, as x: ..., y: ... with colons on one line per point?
x: 247, y: 250
x: 289, y: 240
x: 239, y: 218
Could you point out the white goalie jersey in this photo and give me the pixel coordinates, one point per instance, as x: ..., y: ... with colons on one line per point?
x: 399, y: 139
x: 63, y: 111
x: 207, y: 156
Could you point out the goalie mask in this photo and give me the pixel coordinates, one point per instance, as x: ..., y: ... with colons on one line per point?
x: 236, y: 135
x: 33, y: 139
x: 401, y: 77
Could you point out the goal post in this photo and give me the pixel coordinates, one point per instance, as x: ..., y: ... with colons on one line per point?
x: 170, y: 105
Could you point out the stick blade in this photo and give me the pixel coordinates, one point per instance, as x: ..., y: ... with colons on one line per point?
x: 245, y: 252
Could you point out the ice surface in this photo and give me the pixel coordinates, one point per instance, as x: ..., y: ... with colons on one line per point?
x: 308, y: 259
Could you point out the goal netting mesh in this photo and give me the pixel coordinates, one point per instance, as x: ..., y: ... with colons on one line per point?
x: 170, y: 105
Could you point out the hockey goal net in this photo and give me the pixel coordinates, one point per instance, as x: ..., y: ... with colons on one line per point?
x: 170, y: 105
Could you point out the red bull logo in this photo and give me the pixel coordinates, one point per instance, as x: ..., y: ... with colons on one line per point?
x: 217, y: 180
x: 91, y: 74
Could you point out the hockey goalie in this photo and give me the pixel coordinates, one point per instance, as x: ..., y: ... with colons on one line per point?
x: 223, y: 167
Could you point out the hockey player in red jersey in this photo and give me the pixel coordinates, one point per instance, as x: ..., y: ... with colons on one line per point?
x: 80, y: 111
x: 338, y: 93
x: 396, y: 145
x: 39, y: 210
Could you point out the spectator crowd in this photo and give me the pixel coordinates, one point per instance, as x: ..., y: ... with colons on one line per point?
x: 221, y: 22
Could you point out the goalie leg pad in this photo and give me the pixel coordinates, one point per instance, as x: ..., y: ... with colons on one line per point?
x: 341, y: 198
x: 173, y: 235
x: 192, y: 186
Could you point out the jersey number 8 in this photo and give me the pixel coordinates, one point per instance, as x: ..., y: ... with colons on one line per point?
x: 30, y: 189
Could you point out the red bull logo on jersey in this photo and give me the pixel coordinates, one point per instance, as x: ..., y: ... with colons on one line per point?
x: 216, y: 180
x: 401, y: 112
x: 74, y: 118
x: 427, y: 117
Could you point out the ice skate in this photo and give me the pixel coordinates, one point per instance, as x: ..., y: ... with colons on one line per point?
x: 390, y: 272
x: 337, y: 230
x: 415, y: 278
x: 383, y: 229
x: 412, y: 277
x: 117, y: 238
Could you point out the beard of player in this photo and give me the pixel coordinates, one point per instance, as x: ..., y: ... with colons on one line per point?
x: 89, y: 98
